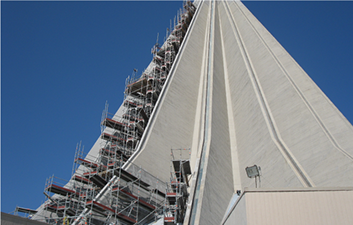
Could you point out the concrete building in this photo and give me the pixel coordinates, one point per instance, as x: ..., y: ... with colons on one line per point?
x: 224, y: 95
x: 262, y: 206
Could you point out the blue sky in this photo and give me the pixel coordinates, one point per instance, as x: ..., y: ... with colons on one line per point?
x: 61, y: 61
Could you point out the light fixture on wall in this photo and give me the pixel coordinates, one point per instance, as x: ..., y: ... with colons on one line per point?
x: 254, y: 172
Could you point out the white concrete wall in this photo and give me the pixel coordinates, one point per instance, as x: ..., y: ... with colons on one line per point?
x: 237, y: 214
x: 172, y: 123
x: 217, y: 174
x: 264, y: 110
x: 315, y: 206
x: 307, y: 123
x: 254, y: 141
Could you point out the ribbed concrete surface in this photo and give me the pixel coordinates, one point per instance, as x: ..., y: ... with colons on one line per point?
x: 301, y: 206
x: 172, y: 123
x: 306, y: 123
x: 254, y: 141
x: 8, y: 219
x: 262, y: 109
x: 266, y: 87
x: 281, y: 120
x: 218, y: 165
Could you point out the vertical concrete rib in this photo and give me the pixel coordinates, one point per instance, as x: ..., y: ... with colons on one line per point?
x: 297, y: 128
x: 297, y: 168
x: 232, y: 129
x: 237, y: 98
x: 171, y: 124
x: 162, y: 132
x: 332, y: 118
x: 199, y: 183
x: 210, y: 200
x: 300, y: 93
x: 218, y: 169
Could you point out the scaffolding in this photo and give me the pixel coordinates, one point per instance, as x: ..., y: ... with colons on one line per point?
x: 177, y: 188
x: 136, y: 197
x: 123, y: 134
x: 101, y: 190
x: 28, y: 213
x: 65, y: 202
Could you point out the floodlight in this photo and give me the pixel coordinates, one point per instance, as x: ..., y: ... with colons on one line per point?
x: 252, y: 171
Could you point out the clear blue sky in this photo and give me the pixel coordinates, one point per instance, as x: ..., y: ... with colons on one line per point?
x: 62, y: 60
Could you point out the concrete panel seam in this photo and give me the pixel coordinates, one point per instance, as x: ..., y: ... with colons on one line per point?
x: 300, y: 93
x: 198, y: 151
x: 154, y: 113
x: 199, y: 121
x: 232, y: 130
x: 142, y: 143
x: 200, y: 183
x: 297, y: 168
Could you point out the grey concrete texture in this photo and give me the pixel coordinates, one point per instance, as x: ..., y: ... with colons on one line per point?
x: 281, y: 120
x: 316, y: 206
x: 171, y: 125
x: 310, y: 127
x: 8, y: 219
x: 263, y: 109
x: 217, y: 175
x: 305, y: 119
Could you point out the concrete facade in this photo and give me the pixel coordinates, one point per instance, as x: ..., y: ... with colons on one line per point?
x: 293, y: 206
x: 8, y: 219
x: 237, y: 98
x: 253, y: 104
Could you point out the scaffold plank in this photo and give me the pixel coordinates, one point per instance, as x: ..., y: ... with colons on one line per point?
x: 169, y: 219
x: 117, y: 152
x: 100, y: 208
x: 98, y: 180
x: 26, y: 210
x: 81, y: 179
x: 130, y: 103
x: 142, y: 202
x: 114, y: 124
x: 60, y: 190
x: 162, y: 194
x: 123, y: 174
x: 86, y: 163
x: 110, y: 137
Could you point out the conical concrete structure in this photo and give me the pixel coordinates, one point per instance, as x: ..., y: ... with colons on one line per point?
x: 236, y: 98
